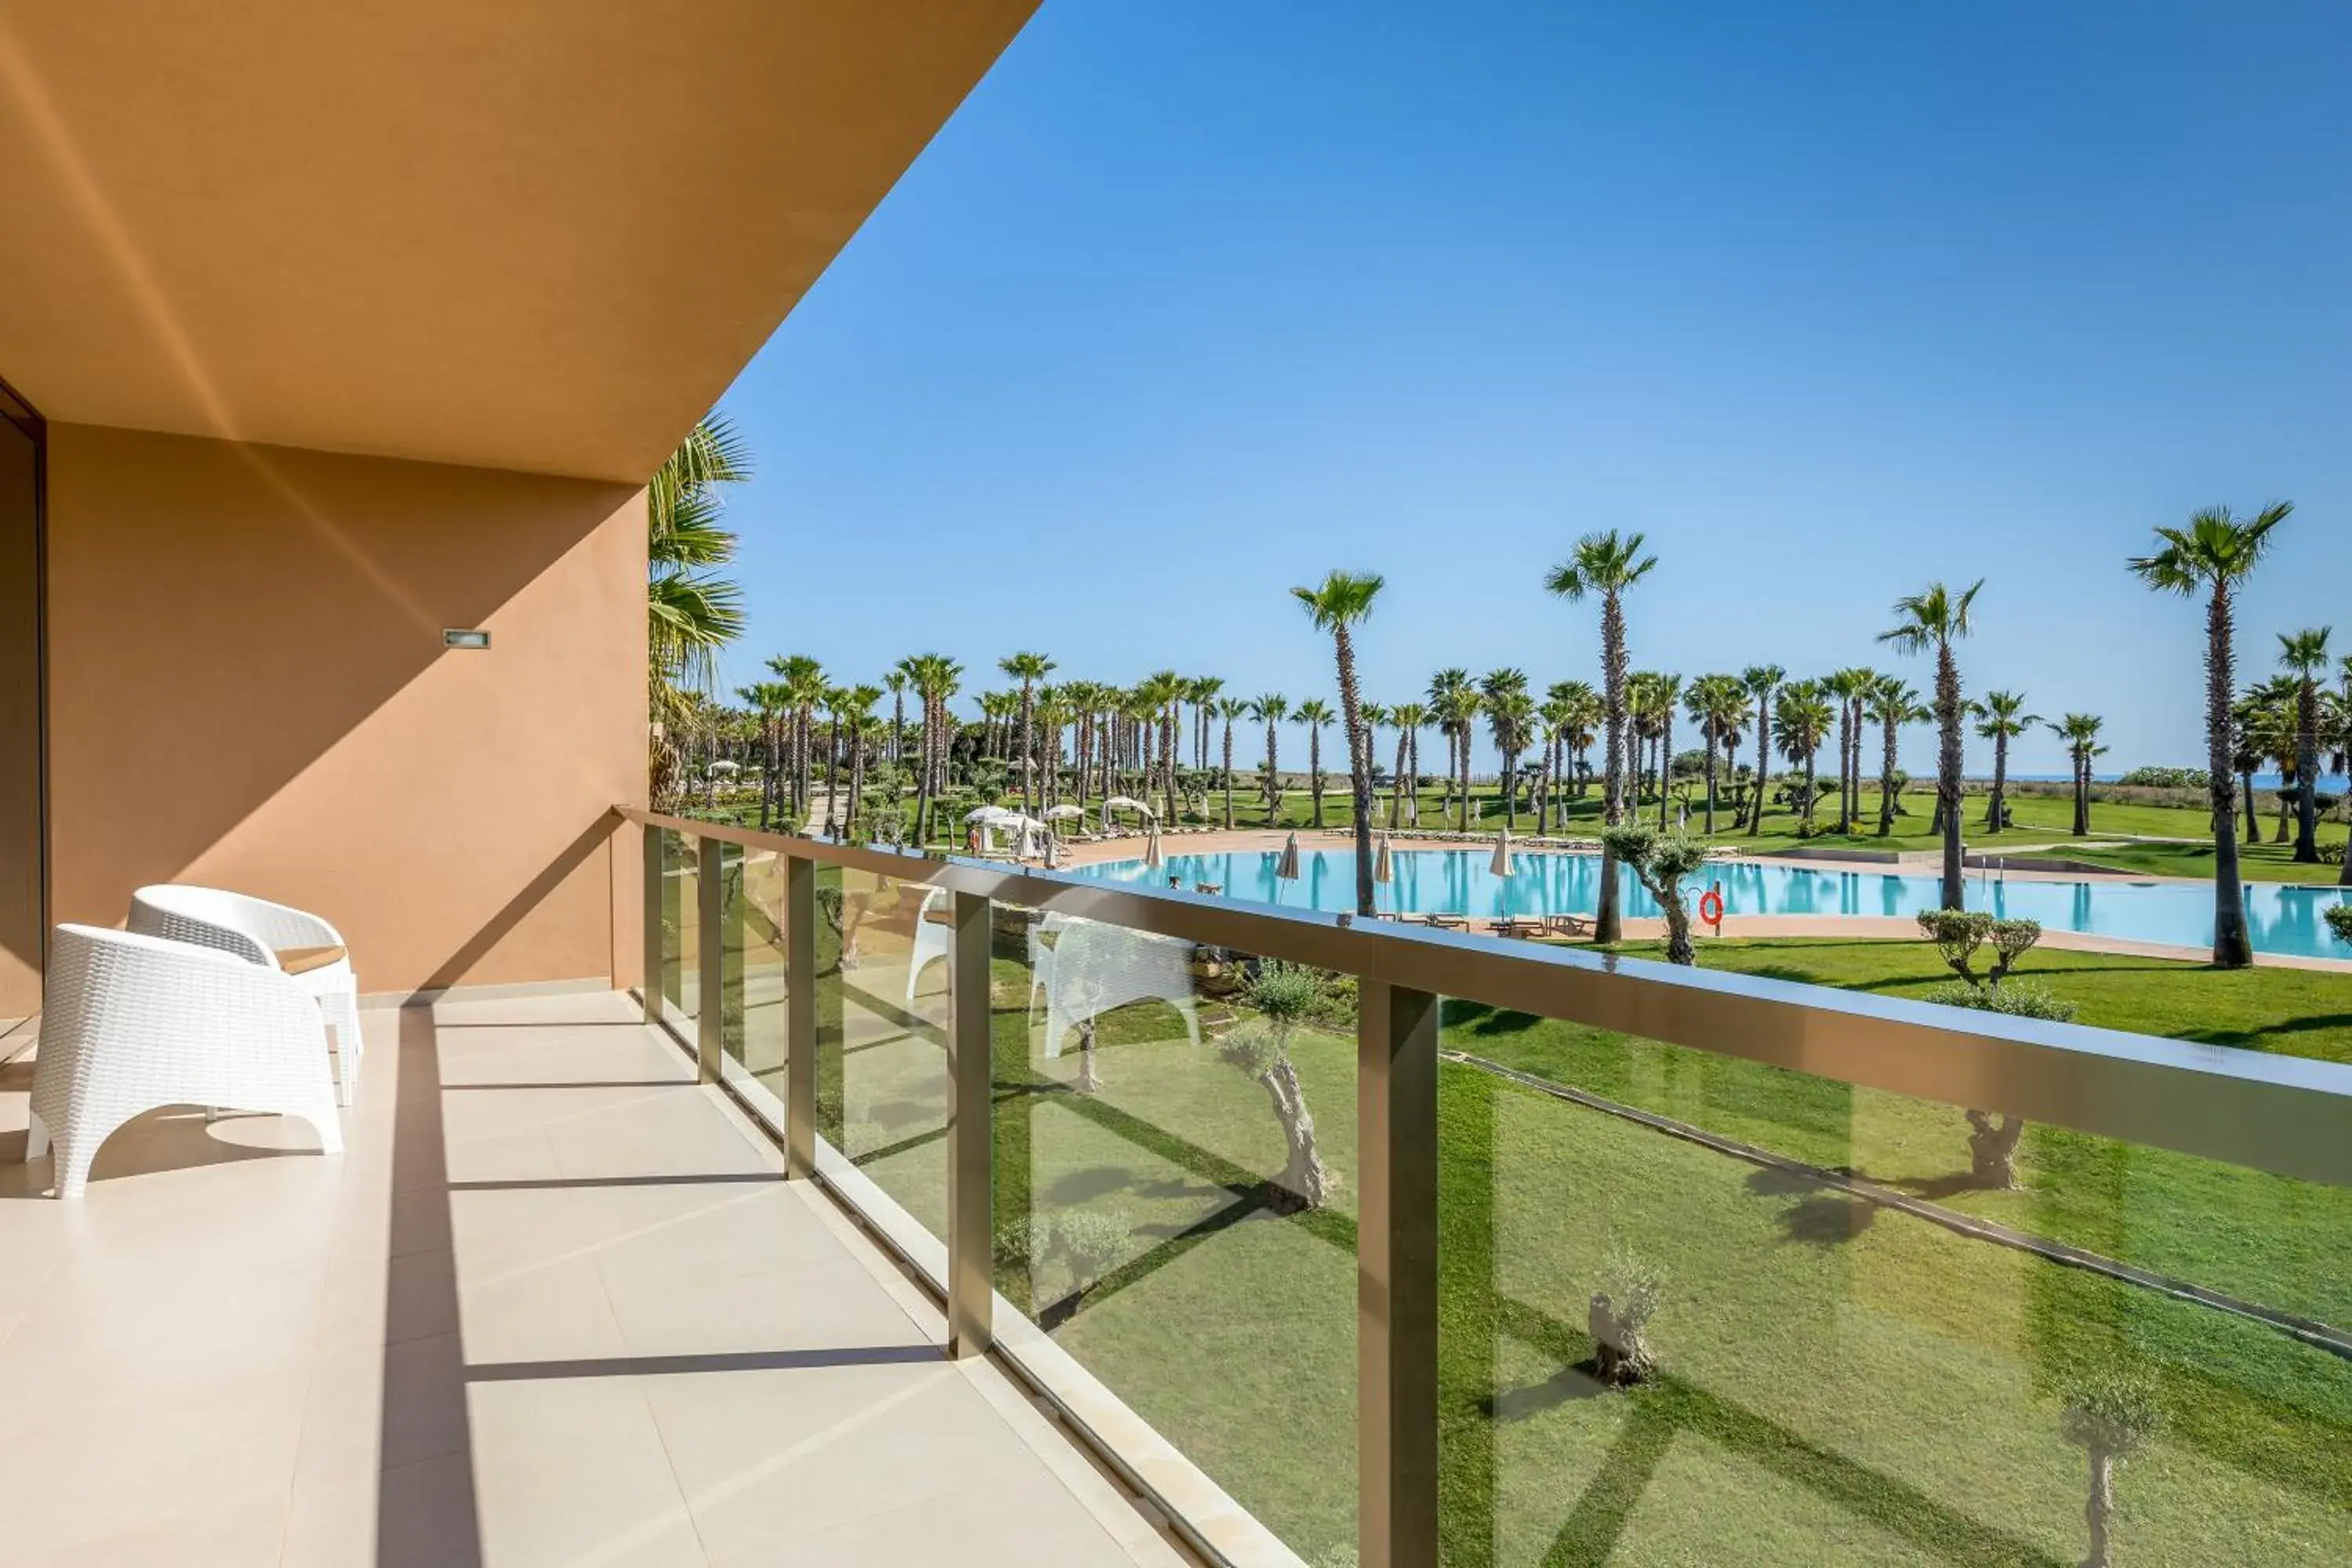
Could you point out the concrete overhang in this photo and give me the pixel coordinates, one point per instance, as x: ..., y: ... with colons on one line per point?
x: 540, y: 235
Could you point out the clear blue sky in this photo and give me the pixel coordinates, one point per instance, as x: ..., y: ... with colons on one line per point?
x: 1193, y: 301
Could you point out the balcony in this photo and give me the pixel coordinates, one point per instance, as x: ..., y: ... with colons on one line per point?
x: 554, y: 1305
x: 1582, y: 1261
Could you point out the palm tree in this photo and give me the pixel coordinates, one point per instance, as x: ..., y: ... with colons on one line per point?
x: 2259, y: 728
x: 2000, y: 719
x: 856, y: 704
x: 2304, y: 654
x: 1270, y: 710
x: 2215, y: 553
x: 895, y: 684
x: 1893, y: 705
x: 1164, y: 691
x: 935, y: 677
x: 804, y: 681
x: 1846, y: 686
x: 835, y: 699
x: 1314, y: 714
x: 691, y: 611
x: 1509, y: 717
x: 1663, y: 690
x: 769, y: 700
x: 2081, y: 733
x: 1336, y: 606
x: 1717, y: 704
x: 1459, y: 714
x: 1375, y: 720
x: 1935, y: 619
x: 1605, y: 564
x: 1028, y: 668
x: 1762, y: 680
x: 1803, y: 723
x: 1445, y: 688
x: 2343, y: 755
x: 1201, y: 692
x: 1230, y: 708
x: 1584, y: 728
x: 1408, y: 718
x: 1562, y: 713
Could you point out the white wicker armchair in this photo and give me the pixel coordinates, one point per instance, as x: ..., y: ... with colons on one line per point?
x: 131, y: 1024
x: 307, y: 948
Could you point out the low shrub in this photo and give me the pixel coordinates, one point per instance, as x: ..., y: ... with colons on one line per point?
x: 2018, y: 999
x: 2167, y: 778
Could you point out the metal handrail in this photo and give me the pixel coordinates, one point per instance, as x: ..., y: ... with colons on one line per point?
x: 2291, y: 1116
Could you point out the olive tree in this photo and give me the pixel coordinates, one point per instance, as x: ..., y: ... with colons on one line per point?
x: 1617, y: 1318
x: 1959, y: 935
x: 2340, y: 921
x: 2110, y: 1417
x: 1660, y: 861
x: 1281, y: 998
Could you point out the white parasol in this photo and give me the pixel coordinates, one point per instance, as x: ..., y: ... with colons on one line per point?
x: 1151, y: 847
x: 1501, y: 865
x: 1382, y: 871
x: 1287, y: 866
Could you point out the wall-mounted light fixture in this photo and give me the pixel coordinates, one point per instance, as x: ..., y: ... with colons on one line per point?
x: 464, y: 637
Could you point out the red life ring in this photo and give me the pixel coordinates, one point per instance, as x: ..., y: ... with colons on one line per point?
x: 1710, y: 906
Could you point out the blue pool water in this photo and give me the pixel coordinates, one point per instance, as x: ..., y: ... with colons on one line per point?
x: 1460, y: 881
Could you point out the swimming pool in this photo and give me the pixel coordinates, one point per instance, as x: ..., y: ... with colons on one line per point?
x: 2283, y: 920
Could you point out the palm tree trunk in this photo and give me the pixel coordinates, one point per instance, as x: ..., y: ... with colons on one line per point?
x: 1608, y: 920
x: 2083, y: 794
x: 1315, y: 769
x: 1360, y: 767
x: 1666, y: 763
x: 1404, y: 780
x: 1763, y: 759
x: 1709, y: 733
x: 1948, y: 715
x: 1229, y: 775
x: 1997, y: 808
x: 2232, y: 948
x: 1886, y: 781
x: 2306, y: 774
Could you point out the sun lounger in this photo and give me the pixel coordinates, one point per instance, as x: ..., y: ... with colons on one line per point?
x: 1519, y: 925
x: 1567, y: 925
x: 1448, y: 923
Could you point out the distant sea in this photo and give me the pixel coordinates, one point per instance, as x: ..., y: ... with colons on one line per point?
x: 2262, y: 781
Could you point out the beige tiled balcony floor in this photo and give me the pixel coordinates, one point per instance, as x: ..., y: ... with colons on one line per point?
x: 554, y: 1306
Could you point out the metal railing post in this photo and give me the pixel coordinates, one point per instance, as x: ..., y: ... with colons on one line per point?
x: 800, y: 1017
x: 651, y: 838
x: 711, y: 958
x: 970, y: 1173
x: 1396, y: 1276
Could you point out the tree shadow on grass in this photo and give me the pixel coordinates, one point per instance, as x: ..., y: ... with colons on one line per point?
x: 1480, y: 1019
x: 1569, y: 1384
x: 1823, y: 1216
x: 2309, y: 1024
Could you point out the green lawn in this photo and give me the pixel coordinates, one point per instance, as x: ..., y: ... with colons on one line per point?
x: 1844, y: 1383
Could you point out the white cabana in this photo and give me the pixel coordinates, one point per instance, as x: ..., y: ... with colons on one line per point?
x: 990, y: 813
x: 1064, y: 812
x: 1125, y: 803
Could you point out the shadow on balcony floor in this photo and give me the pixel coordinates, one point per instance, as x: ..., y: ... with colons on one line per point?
x: 553, y: 1306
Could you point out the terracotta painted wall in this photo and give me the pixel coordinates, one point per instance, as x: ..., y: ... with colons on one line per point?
x: 248, y: 689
